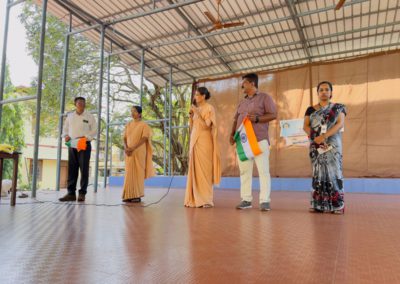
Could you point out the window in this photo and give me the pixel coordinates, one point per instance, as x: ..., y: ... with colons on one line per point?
x: 39, y: 169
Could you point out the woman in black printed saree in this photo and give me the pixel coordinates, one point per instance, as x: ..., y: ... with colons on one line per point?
x: 323, y: 123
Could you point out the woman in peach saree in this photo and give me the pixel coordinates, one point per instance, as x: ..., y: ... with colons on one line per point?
x: 204, y: 155
x: 138, y: 157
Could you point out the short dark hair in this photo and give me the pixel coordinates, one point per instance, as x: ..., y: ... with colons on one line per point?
x: 138, y: 109
x: 204, y: 91
x: 252, y: 78
x: 79, y: 98
x: 325, y: 82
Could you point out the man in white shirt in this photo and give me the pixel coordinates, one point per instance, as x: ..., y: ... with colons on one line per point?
x: 78, y: 124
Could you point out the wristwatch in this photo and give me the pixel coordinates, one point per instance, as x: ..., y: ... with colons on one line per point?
x: 257, y: 119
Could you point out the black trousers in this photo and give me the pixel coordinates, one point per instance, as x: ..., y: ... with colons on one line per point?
x: 78, y: 161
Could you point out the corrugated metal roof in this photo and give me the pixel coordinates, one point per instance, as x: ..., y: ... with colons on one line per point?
x: 277, y: 33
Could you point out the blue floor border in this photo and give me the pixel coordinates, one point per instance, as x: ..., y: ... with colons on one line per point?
x: 365, y: 185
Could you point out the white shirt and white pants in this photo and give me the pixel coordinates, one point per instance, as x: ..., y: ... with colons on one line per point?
x: 259, y: 104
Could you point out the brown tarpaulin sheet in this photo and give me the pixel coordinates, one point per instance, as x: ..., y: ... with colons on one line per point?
x: 370, y: 89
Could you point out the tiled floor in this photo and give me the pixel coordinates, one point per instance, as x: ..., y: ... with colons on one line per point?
x: 167, y: 243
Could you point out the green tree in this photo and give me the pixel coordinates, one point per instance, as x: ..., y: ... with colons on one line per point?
x: 82, y: 79
x: 12, y: 125
x: 83, y: 66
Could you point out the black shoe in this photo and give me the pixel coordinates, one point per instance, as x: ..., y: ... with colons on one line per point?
x: 265, y: 206
x: 68, y: 197
x: 81, y: 197
x: 134, y: 200
x: 244, y: 205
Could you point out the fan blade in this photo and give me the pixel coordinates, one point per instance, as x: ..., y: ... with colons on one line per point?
x: 210, y: 17
x: 214, y: 29
x: 230, y: 25
x: 340, y: 4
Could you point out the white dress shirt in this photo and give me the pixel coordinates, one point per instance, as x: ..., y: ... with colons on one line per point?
x: 80, y: 125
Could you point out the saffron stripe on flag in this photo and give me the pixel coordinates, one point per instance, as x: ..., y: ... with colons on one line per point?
x: 251, y: 136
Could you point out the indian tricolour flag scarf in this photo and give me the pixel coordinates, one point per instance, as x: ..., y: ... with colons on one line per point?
x: 246, y: 141
x: 78, y: 143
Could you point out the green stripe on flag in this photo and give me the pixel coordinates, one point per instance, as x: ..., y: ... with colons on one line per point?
x: 239, y: 147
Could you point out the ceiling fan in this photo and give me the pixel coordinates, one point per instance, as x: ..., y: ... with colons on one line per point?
x: 217, y: 24
x: 340, y: 4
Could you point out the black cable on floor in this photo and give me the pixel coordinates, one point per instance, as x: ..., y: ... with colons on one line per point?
x: 165, y: 195
x: 37, y: 201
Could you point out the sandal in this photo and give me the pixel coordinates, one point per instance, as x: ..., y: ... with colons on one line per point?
x: 23, y: 195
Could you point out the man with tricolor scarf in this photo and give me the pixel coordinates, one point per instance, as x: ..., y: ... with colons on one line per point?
x: 254, y: 113
x: 79, y: 127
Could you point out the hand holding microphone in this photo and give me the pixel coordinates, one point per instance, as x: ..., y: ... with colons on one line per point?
x: 193, y: 108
